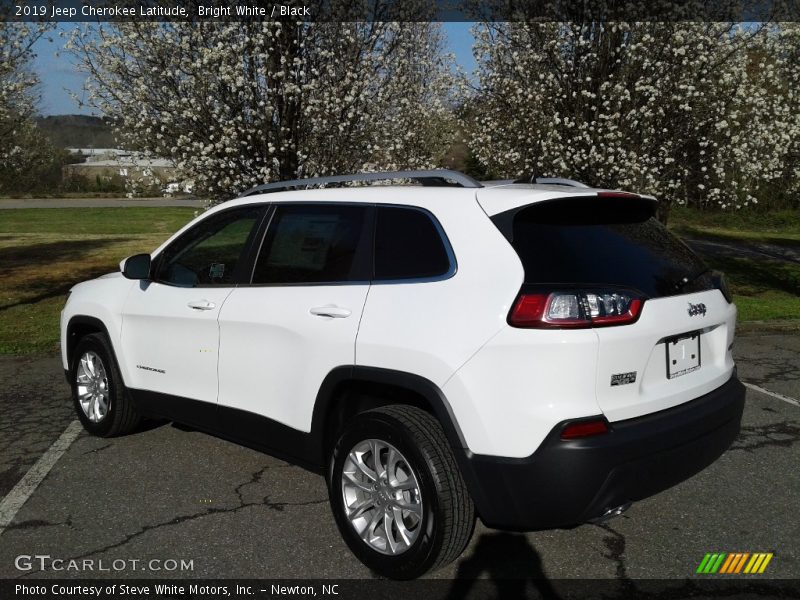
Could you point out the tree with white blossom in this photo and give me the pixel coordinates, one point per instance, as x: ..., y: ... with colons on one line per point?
x: 22, y: 147
x: 689, y: 112
x: 235, y: 104
x: 788, y: 64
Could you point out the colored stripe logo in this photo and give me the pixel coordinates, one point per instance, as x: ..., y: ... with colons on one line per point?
x: 734, y: 563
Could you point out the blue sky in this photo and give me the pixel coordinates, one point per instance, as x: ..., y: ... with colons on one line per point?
x: 59, y: 75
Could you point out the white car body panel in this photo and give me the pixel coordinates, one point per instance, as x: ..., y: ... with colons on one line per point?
x: 170, y: 347
x: 431, y: 329
x: 640, y: 347
x: 274, y: 354
x: 101, y: 299
x: 512, y: 392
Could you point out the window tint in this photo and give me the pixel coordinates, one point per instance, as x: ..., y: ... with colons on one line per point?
x: 315, y: 244
x: 408, y: 245
x: 602, y: 241
x: 210, y: 252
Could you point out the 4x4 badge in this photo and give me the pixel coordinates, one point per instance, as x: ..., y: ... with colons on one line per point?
x: 623, y: 378
x: 696, y: 309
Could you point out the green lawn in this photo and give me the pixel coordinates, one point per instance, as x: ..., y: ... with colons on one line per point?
x: 780, y: 227
x: 764, y: 289
x: 95, y: 221
x: 43, y: 252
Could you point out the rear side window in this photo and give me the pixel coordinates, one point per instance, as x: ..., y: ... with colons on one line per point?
x: 315, y: 244
x: 408, y: 245
x: 609, y: 241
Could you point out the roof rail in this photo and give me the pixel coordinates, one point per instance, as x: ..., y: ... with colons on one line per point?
x: 432, y: 177
x: 551, y: 181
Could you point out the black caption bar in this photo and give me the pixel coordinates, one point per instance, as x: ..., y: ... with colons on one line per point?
x: 432, y: 589
x: 400, y: 10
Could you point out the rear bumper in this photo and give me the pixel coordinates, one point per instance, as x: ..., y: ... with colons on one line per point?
x: 566, y: 483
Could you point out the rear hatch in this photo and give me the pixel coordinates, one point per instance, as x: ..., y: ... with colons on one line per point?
x: 663, y: 320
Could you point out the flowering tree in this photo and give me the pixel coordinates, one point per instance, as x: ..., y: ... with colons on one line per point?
x: 21, y: 145
x: 241, y: 103
x: 689, y: 112
x: 788, y: 64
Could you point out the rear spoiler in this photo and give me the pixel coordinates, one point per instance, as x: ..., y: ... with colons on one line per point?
x: 613, y: 206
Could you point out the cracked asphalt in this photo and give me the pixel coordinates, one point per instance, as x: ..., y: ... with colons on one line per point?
x: 171, y: 493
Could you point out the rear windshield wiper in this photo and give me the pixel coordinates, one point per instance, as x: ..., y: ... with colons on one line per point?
x: 687, y: 279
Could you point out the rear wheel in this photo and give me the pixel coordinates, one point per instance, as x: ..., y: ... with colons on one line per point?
x: 397, y: 494
x: 99, y: 396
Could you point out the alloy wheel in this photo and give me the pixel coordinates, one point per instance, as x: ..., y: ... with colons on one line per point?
x: 382, y: 498
x: 92, y: 387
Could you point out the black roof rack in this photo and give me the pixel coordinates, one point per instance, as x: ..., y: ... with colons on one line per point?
x: 432, y: 177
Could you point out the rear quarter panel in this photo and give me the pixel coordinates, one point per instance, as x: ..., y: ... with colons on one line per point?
x: 521, y: 384
x: 431, y: 329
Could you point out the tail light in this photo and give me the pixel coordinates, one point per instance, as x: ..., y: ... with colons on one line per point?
x: 583, y: 429
x: 575, y: 309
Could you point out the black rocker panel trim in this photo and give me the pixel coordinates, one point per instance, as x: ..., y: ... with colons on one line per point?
x: 306, y: 449
x: 240, y: 426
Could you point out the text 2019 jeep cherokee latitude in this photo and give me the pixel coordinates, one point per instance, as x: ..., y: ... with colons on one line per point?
x: 536, y: 355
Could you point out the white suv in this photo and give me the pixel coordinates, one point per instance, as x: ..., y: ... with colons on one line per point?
x: 537, y: 355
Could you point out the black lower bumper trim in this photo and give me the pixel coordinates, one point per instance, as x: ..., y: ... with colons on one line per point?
x: 566, y: 483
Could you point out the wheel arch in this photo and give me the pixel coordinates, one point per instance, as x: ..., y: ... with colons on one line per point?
x: 341, y: 396
x: 78, y: 327
x: 347, y: 390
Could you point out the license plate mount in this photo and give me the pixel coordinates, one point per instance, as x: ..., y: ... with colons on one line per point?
x: 683, y: 354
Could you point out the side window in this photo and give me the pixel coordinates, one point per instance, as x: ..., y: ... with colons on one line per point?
x: 315, y: 243
x: 210, y: 252
x: 408, y: 245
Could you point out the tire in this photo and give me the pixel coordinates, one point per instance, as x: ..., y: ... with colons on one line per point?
x: 109, y: 411
x: 440, y: 525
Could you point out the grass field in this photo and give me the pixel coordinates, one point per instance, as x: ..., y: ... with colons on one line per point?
x: 43, y: 252
x: 764, y: 289
x: 780, y: 227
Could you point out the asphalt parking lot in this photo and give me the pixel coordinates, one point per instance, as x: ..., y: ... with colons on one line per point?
x: 170, y: 493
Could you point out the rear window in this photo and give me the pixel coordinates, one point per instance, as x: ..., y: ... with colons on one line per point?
x: 608, y: 241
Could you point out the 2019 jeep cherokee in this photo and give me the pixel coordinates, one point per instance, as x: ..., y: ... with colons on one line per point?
x: 536, y: 355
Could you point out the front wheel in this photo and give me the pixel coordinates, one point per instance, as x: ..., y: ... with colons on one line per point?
x: 397, y: 494
x: 101, y: 402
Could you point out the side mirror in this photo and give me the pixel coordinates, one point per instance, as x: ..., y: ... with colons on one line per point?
x: 136, y: 267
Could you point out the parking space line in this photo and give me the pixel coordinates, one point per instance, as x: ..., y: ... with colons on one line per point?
x: 773, y: 394
x: 28, y: 484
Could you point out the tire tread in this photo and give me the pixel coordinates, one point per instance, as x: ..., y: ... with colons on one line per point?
x: 454, y: 498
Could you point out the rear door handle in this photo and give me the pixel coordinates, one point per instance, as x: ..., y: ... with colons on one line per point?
x: 330, y: 311
x: 201, y: 305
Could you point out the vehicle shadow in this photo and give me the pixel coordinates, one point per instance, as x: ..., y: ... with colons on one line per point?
x: 512, y: 565
x: 16, y: 261
x: 21, y: 258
